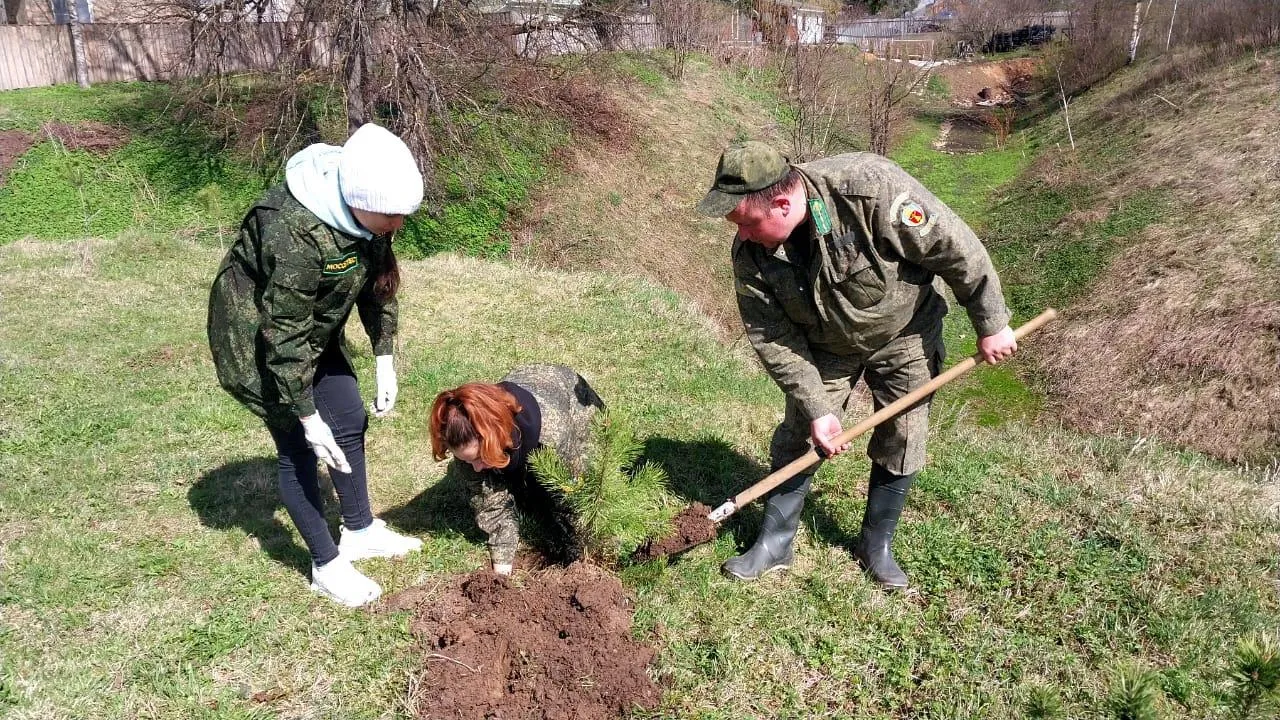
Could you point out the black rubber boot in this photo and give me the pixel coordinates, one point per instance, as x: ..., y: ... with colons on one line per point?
x: 772, y: 550
x: 886, y: 494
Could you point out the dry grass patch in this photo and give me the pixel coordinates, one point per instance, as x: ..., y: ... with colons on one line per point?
x: 629, y: 210
x: 1182, y: 331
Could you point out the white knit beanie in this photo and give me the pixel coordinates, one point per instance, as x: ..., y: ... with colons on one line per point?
x: 378, y: 174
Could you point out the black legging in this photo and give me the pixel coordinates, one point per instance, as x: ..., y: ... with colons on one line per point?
x: 338, y: 401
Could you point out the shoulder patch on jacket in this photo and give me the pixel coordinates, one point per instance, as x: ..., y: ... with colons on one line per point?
x: 340, y: 265
x: 821, y: 219
x: 909, y: 213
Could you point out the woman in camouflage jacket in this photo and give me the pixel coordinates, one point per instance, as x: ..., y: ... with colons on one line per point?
x: 308, y: 252
x: 490, y: 429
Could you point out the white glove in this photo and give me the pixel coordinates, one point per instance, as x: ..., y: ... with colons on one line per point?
x: 320, y: 438
x: 385, y: 397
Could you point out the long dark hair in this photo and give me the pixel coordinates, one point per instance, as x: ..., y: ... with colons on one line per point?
x: 387, y: 282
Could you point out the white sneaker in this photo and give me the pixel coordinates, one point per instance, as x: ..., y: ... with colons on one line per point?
x: 375, y: 541
x: 339, y: 581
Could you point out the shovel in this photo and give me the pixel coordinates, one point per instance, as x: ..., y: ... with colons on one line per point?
x: 777, y: 477
x: 693, y: 528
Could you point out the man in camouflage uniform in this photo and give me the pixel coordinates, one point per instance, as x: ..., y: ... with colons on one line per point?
x: 835, y: 266
x: 556, y: 409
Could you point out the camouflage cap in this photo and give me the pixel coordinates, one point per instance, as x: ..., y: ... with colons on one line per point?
x: 744, y: 168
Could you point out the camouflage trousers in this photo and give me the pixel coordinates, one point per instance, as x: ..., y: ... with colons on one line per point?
x: 904, y: 364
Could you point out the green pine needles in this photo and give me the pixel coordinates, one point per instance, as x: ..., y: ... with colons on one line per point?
x: 616, y: 506
x: 1256, y: 677
x: 1044, y: 704
x: 1135, y: 694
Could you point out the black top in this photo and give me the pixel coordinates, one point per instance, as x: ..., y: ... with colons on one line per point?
x: 525, y: 437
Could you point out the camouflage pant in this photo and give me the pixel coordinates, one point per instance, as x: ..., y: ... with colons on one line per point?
x: 905, y: 363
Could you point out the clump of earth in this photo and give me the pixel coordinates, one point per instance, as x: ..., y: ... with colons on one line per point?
x: 689, y: 528
x: 552, y: 645
x: 13, y: 143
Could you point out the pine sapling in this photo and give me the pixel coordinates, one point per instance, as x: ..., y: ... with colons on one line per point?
x: 1135, y: 695
x: 1043, y: 704
x: 1255, y: 677
x: 615, y: 504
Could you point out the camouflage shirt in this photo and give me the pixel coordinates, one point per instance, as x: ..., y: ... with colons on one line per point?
x: 566, y: 404
x: 859, y: 272
x: 282, y: 295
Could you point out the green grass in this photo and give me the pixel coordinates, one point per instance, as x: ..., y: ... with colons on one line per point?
x: 650, y: 69
x: 506, y: 157
x: 1049, y: 264
x: 148, y: 570
x: 174, y: 175
x: 171, y: 174
x: 966, y: 182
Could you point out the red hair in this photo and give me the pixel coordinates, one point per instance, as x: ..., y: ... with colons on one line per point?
x: 475, y: 411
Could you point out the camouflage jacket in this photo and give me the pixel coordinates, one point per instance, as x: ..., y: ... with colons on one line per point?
x: 566, y: 404
x: 877, y: 242
x: 282, y: 295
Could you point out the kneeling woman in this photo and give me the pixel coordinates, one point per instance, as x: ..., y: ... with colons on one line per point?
x: 491, y: 429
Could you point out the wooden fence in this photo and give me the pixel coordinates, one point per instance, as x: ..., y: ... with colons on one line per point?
x: 37, y: 55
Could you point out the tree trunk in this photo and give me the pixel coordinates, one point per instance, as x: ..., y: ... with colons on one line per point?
x: 355, y: 67
x: 355, y: 63
x: 1169, y: 38
x: 1133, y: 41
x: 77, y: 49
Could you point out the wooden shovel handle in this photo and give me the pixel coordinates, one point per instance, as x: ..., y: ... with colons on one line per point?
x: 794, y: 467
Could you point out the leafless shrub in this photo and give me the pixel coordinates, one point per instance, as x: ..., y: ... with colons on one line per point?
x: 410, y: 65
x: 1000, y: 121
x: 817, y: 98
x: 885, y: 85
x: 686, y: 26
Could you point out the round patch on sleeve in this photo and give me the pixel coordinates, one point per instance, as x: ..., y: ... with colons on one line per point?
x: 911, y: 214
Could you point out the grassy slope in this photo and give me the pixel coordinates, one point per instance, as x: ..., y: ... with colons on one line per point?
x: 169, y: 176
x: 174, y: 175
x: 1158, y: 233
x: 629, y: 210
x: 148, y: 570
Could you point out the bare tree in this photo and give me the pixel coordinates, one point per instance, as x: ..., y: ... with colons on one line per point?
x: 887, y: 84
x: 1137, y: 21
x: 979, y: 20
x: 686, y: 26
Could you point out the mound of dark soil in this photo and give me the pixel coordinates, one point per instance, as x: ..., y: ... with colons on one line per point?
x: 94, y: 137
x: 691, y: 528
x: 13, y: 143
x: 559, y: 648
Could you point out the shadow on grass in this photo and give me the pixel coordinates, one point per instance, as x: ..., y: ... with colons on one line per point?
x: 709, y: 470
x: 443, y: 508
x: 244, y: 494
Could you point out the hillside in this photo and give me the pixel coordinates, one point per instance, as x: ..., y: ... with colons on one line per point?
x: 1156, y: 234
x: 1162, y: 233
x: 147, y: 568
